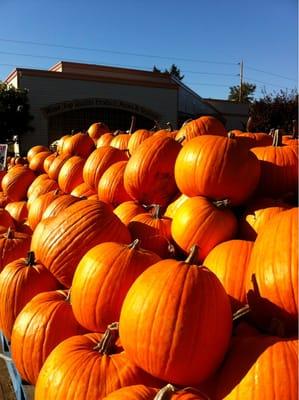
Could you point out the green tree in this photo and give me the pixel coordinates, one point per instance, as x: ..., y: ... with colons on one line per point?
x: 14, y: 112
x: 248, y: 90
x: 275, y: 110
x: 173, y: 70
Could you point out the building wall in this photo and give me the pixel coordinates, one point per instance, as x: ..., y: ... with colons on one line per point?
x: 43, y: 92
x: 236, y: 114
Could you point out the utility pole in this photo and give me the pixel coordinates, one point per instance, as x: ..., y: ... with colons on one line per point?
x: 241, y: 82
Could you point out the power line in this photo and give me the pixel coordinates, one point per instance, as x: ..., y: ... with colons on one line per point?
x: 265, y: 83
x: 116, y: 52
x: 271, y: 73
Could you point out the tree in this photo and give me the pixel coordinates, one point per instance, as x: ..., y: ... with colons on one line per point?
x: 247, y: 93
x: 275, y: 110
x: 173, y: 70
x: 14, y: 112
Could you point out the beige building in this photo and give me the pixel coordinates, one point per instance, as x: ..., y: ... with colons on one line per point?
x: 73, y: 96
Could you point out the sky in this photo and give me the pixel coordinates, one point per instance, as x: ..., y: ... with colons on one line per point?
x: 206, y: 40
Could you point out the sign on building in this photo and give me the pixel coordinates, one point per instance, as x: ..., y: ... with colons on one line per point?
x: 3, y: 156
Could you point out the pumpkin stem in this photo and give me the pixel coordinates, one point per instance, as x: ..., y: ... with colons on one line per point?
x: 134, y: 245
x: 181, y: 139
x: 169, y: 126
x: 231, y: 135
x: 10, y: 233
x: 115, y: 133
x: 277, y: 139
x: 30, y: 260
x: 105, y: 346
x: 164, y: 393
x: 241, y: 312
x: 157, y: 214
x: 221, y: 203
x: 193, y: 255
x: 255, y: 285
x: 133, y: 124
x: 68, y: 297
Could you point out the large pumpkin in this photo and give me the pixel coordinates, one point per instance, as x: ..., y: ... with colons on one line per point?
x: 13, y: 245
x: 71, y: 174
x: 259, y: 367
x: 205, y: 125
x: 149, y: 174
x: 171, y: 326
x: 87, y: 367
x: 97, y: 129
x: 102, y: 279
x: 16, y: 182
x: 127, y: 210
x: 45, y: 321
x: 80, y: 144
x: 218, y: 168
x: 61, y: 241
x: 202, y: 222
x: 272, y: 281
x: 57, y: 164
x: 20, y: 281
x: 59, y: 204
x: 136, y: 138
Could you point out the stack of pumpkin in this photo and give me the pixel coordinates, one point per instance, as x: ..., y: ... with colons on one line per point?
x: 127, y: 257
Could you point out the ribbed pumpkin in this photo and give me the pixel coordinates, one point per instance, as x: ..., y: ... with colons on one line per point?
x: 98, y: 162
x: 174, y: 205
x: 60, y: 143
x: 136, y: 138
x: 171, y: 326
x: 59, y: 204
x: 56, y: 165
x: 45, y: 321
x: 36, y: 182
x: 127, y: 210
x: 279, y: 168
x: 4, y: 200
x: 13, y: 245
x: 105, y: 140
x: 71, y: 174
x: 82, y: 190
x: 229, y: 262
x: 48, y: 161
x: 257, y: 139
x: 272, y: 280
x: 20, y: 281
x: 149, y: 174
x: 80, y: 144
x: 218, y: 168
x: 87, y: 367
x: 6, y: 219
x: 259, y: 367
x: 258, y: 212
x: 205, y: 125
x: 97, y: 129
x: 46, y: 186
x: 39, y: 205
x: 34, y: 150
x: 37, y: 161
x: 120, y: 141
x: 105, y: 266
x: 16, y: 182
x: 111, y: 185
x: 154, y: 232
x: 202, y: 222
x: 74, y: 231
x: 168, y: 392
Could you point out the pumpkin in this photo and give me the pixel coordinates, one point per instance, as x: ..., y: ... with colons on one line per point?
x: 37, y: 161
x: 127, y: 210
x: 256, y: 215
x: 59, y: 147
x: 136, y: 138
x: 34, y: 150
x: 4, y: 200
x: 98, y: 162
x: 171, y: 326
x: 56, y: 165
x: 18, y: 211
x: 20, y: 281
x: 48, y: 161
x: 120, y: 141
x: 105, y: 140
x: 80, y: 144
x: 39, y: 205
x: 74, y: 231
x: 149, y: 174
x: 71, y: 174
x: 97, y: 129
x: 142, y: 392
x: 16, y: 183
x: 272, y: 280
x: 36, y: 182
x: 259, y: 367
x: 257, y: 139
x: 202, y: 222
x: 218, y: 168
x: 105, y: 266
x: 45, y: 321
x: 205, y: 125
x: 229, y: 262
x: 154, y: 232
x: 111, y: 185
x: 88, y: 367
x: 59, y: 204
x: 279, y: 168
x: 82, y: 190
x: 13, y: 245
x: 174, y: 205
x: 6, y: 219
x: 46, y: 186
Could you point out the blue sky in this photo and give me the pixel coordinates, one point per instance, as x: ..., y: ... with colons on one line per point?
x: 205, y: 39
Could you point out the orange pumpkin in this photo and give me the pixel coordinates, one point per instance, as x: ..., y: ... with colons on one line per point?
x: 16, y: 182
x: 34, y: 150
x: 127, y: 210
x: 97, y: 129
x: 80, y: 144
x: 71, y: 174
x: 13, y: 245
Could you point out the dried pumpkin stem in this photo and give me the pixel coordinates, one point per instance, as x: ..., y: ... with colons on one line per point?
x: 30, y: 260
x: 135, y: 244
x: 241, y: 312
x: 105, y: 346
x: 157, y: 213
x: 277, y: 139
x: 181, y: 139
x: 133, y: 124
x: 221, y: 203
x: 231, y: 135
x: 164, y: 393
x: 193, y: 255
x: 10, y: 233
x: 169, y: 126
